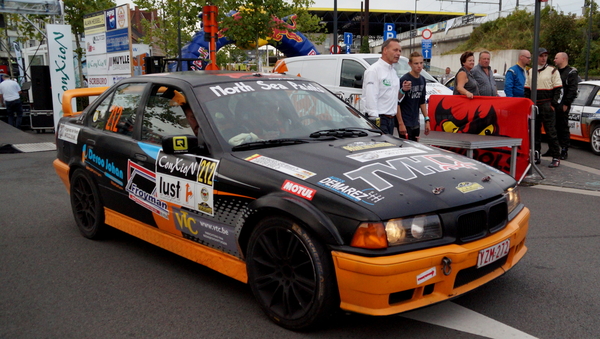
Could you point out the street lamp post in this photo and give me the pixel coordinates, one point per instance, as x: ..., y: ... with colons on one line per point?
x: 415, y: 25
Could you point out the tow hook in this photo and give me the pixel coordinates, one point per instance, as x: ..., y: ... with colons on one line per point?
x: 446, y: 268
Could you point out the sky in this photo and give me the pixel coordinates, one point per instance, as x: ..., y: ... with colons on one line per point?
x: 567, y: 6
x: 572, y: 6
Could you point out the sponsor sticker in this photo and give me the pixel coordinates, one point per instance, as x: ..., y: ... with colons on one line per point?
x: 102, y: 165
x: 384, y: 153
x: 360, y: 146
x: 299, y: 190
x: 280, y: 166
x: 406, y: 169
x: 205, y: 185
x: 141, y: 185
x: 68, y: 133
x: 423, y: 277
x: 466, y: 187
x: 186, y: 181
x: 200, y: 229
x: 180, y: 144
x: 368, y: 196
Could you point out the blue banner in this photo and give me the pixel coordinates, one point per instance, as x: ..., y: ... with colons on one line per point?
x: 117, y: 40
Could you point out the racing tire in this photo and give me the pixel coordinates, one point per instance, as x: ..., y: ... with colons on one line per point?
x: 595, y: 139
x: 86, y: 205
x: 291, y: 274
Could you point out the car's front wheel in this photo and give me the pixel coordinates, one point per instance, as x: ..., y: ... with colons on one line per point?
x: 87, y: 207
x: 595, y: 139
x: 291, y: 274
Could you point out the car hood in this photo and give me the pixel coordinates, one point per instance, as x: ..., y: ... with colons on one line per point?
x: 388, y: 176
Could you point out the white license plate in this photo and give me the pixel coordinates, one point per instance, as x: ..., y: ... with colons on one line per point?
x: 491, y: 254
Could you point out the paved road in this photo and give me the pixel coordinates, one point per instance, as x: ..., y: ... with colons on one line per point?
x: 56, y: 284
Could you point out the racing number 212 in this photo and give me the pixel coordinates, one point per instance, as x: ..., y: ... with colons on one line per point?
x: 207, y: 172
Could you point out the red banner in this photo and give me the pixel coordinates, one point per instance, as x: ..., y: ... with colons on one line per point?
x: 498, y: 116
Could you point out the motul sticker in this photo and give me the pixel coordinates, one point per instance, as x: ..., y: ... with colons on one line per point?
x: 423, y: 277
x: 299, y: 190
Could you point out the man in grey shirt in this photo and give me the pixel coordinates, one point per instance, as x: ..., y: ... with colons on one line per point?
x: 482, y: 72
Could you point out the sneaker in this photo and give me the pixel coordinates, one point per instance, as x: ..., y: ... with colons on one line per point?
x: 555, y: 163
x: 536, y: 156
x: 547, y: 154
x: 564, y: 154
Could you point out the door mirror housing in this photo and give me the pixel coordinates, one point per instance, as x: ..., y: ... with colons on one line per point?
x: 183, y: 144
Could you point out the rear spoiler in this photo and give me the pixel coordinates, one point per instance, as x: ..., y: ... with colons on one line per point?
x: 78, y: 92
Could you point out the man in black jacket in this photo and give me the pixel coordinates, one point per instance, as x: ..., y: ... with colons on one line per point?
x: 570, y: 80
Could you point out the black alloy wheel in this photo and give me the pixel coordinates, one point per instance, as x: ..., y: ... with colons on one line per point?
x: 86, y: 205
x: 291, y: 274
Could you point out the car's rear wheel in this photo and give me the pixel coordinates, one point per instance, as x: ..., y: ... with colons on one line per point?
x: 87, y: 207
x: 595, y: 139
x: 291, y: 274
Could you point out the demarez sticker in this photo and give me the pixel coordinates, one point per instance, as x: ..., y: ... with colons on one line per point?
x: 280, y: 166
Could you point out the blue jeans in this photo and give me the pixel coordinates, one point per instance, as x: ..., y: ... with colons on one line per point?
x: 387, y: 123
x: 13, y: 107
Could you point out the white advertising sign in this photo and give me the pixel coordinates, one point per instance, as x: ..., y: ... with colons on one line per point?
x: 98, y: 81
x: 95, y: 44
x: 97, y: 64
x: 62, y: 70
x: 119, y: 63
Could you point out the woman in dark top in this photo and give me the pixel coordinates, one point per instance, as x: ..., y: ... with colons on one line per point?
x: 465, y: 83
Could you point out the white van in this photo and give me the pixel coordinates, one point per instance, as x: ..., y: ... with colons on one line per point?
x: 343, y: 73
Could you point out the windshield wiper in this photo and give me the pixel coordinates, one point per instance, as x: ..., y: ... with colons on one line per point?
x: 348, y: 132
x: 268, y: 143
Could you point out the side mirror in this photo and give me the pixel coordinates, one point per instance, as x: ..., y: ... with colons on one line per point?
x: 182, y: 144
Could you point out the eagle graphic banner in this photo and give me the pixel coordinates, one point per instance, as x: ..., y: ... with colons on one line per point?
x: 482, y: 115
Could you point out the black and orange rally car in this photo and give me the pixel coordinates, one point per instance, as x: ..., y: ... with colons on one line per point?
x: 276, y: 182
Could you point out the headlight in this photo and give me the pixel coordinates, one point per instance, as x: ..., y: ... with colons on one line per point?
x: 513, y: 198
x: 411, y: 230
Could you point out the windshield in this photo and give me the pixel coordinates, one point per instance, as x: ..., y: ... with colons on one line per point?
x: 402, y: 68
x: 249, y: 111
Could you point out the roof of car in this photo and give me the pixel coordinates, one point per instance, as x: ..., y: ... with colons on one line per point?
x: 196, y: 78
x: 591, y: 82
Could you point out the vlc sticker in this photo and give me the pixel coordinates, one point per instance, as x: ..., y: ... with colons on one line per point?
x: 299, y: 190
x: 423, y: 277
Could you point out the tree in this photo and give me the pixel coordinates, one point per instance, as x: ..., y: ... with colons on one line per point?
x: 162, y: 31
x: 257, y: 19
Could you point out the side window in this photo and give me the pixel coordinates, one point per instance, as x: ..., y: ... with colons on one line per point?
x: 352, y: 74
x: 116, y: 113
x: 583, y: 95
x: 165, y: 114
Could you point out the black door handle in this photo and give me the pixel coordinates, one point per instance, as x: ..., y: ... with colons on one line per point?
x: 140, y: 157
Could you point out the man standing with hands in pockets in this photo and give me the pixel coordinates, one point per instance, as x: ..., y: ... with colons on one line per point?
x: 413, y: 101
x: 381, y: 87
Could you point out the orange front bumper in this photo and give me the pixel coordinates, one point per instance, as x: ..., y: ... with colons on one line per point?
x: 403, y: 282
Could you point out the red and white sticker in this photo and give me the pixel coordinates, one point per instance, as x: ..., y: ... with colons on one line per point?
x: 423, y: 277
x: 299, y: 190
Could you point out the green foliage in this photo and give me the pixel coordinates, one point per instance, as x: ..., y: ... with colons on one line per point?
x: 364, y: 46
x: 162, y: 31
x: 559, y: 32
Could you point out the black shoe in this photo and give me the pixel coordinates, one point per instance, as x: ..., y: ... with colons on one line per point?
x: 564, y: 154
x: 536, y: 156
x: 555, y: 163
x: 547, y: 154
